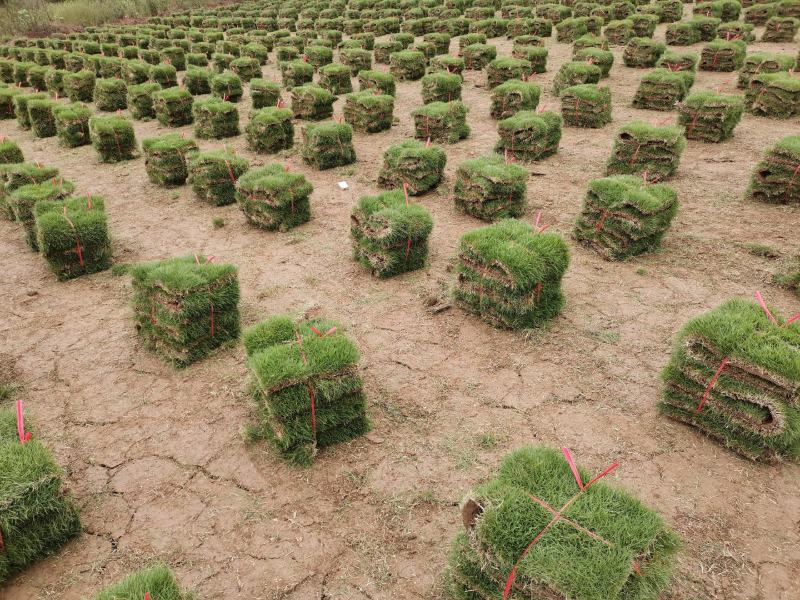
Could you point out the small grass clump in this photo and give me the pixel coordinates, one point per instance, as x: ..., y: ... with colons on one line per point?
x: 441, y: 87
x: 270, y: 130
x: 586, y: 105
x: 709, y: 116
x: 490, y: 189
x: 774, y: 179
x: 72, y: 235
x: 512, y: 96
x: 173, y: 107
x: 441, y: 122
x: 418, y: 165
x: 336, y: 79
x: 157, y: 581
x: 642, y: 53
x: 390, y: 234
x: 113, y: 138
x: 788, y: 273
x: 576, y: 72
x: 110, y: 95
x: 617, y: 547
x: 273, y: 198
x: 529, y: 135
x: 312, y: 102
x: 734, y: 374
x: 509, y: 274
x: 23, y: 199
x: 407, y: 65
x: 306, y: 386
x: 643, y: 148
x: 623, y: 216
x: 264, y: 93
x: 215, y: 119
x: 36, y: 516
x: 140, y: 100
x: 723, y: 55
x: 328, y: 145
x: 369, y: 112
x: 661, y: 89
x: 213, y: 175
x: 185, y: 307
x: 165, y: 159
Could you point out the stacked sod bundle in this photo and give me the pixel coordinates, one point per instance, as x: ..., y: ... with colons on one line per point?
x: 272, y: 198
x: 489, y: 188
x: 113, y: 138
x: 21, y: 102
x: 198, y: 81
x: 73, y: 236
x: 376, y: 80
x: 775, y: 178
x: 642, y: 148
x: 445, y: 63
x: 586, y: 105
x: 336, y: 79
x: 722, y: 55
x: 369, y: 112
x: 10, y: 152
x: 710, y: 117
x: 23, y: 199
x: 539, y: 509
x: 512, y: 96
x: 735, y: 375
x: 604, y: 59
x: 165, y: 159
x: 679, y: 61
x: 761, y: 63
x: 477, y: 56
x: 661, y: 89
x: 390, y: 234
x: 36, y: 517
x: 529, y: 135
x: 40, y: 115
x: 140, y: 100
x: 780, y: 29
x: 623, y: 216
x: 441, y: 87
x: 575, y: 73
x: 213, y: 175
x: 15, y: 175
x: 410, y: 162
x: 110, y: 95
x: 510, y: 275
x: 775, y: 95
x: 264, y: 93
x: 215, y: 119
x: 328, y: 145
x: 72, y: 124
x: 503, y: 69
x: 79, y: 86
x: 173, y: 107
x: 306, y: 385
x: 7, y: 101
x: 441, y: 122
x: 642, y: 52
x: 184, y: 307
x: 158, y: 582
x: 270, y: 130
x: 312, y: 102
x: 407, y: 65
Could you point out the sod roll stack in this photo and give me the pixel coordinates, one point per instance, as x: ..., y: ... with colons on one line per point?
x: 641, y: 148
x: 735, y: 375
x: 270, y: 130
x: 185, y: 307
x: 36, y: 517
x: 166, y: 159
x: 623, y: 216
x: 272, y: 198
x: 213, y: 175
x: 306, y: 385
x: 489, y: 188
x: 512, y: 96
x: 605, y: 544
x: 509, y: 274
x: 390, y: 234
x: 369, y: 112
x: 23, y: 199
x: 776, y: 179
x: 441, y: 122
x: 328, y: 145
x: 529, y: 135
x: 661, y: 89
x: 774, y: 95
x: 419, y: 166
x: 710, y: 117
x: 586, y: 105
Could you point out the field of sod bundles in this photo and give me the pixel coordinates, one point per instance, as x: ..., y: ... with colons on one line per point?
x: 390, y: 235
x: 306, y: 386
x: 775, y: 179
x: 158, y: 581
x: 185, y: 307
x: 411, y: 162
x: 509, y: 274
x: 273, y: 198
x: 641, y: 148
x: 606, y: 545
x: 735, y: 375
x: 36, y: 517
x: 624, y: 216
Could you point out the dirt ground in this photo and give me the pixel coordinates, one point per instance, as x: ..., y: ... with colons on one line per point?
x: 156, y: 457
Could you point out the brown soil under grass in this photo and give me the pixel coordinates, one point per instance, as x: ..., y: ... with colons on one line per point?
x: 156, y: 458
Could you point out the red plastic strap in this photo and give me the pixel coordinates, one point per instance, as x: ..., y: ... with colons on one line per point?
x: 408, y: 248
x: 24, y: 436
x: 230, y: 171
x: 760, y: 300
x: 602, y: 221
x: 330, y: 331
x: 405, y: 191
x: 573, y: 467
x: 712, y: 383
x: 793, y: 319
x: 2, y: 541
x: 78, y: 248
x: 538, y: 291
x: 147, y: 596
x: 428, y: 142
x: 635, y: 153
x: 88, y: 200
x: 280, y: 103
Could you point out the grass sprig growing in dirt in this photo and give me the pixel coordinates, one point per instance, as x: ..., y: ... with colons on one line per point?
x: 411, y: 162
x: 754, y: 364
x: 617, y: 547
x: 390, y: 235
x: 624, y: 216
x: 36, y: 517
x: 166, y: 159
x: 158, y: 581
x: 306, y: 386
x: 72, y: 235
x: 213, y: 175
x: 509, y: 274
x: 643, y: 148
x: 273, y: 198
x: 185, y: 307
